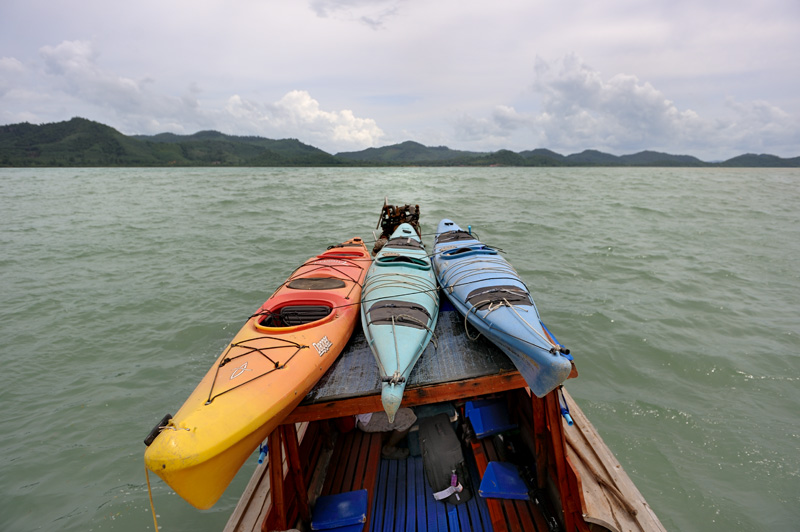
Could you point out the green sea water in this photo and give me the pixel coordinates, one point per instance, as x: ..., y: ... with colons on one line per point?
x: 677, y: 290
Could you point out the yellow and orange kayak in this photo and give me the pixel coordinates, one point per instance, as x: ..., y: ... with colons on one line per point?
x: 261, y: 376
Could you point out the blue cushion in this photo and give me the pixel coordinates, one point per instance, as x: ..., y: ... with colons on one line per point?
x: 341, y: 510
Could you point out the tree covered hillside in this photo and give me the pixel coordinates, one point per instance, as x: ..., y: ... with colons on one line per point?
x: 80, y: 142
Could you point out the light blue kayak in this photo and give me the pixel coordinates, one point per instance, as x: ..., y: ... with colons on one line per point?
x: 399, y: 309
x: 486, y: 289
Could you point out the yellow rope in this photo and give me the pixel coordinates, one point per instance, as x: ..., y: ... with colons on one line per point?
x: 150, y: 493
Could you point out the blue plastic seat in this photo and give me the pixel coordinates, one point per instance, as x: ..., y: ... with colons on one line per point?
x: 488, y: 417
x: 502, y: 480
x: 342, y: 512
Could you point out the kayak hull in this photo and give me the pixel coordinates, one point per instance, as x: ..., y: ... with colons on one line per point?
x: 262, y: 375
x: 400, y: 306
x: 486, y: 289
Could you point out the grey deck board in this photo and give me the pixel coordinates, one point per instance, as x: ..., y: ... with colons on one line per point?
x: 455, y: 358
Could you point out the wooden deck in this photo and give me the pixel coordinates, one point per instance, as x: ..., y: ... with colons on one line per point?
x: 571, y: 460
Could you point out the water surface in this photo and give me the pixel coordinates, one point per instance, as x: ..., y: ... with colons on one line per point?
x: 676, y: 289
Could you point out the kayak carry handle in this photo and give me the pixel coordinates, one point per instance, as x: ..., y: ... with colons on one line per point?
x: 157, y: 429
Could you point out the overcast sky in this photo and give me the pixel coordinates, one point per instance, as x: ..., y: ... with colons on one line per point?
x: 707, y: 78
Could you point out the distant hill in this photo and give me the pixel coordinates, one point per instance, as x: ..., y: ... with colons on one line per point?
x: 654, y: 158
x: 593, y: 157
x: 408, y: 152
x: 213, y: 147
x: 750, y: 160
x: 541, y: 152
x: 80, y: 142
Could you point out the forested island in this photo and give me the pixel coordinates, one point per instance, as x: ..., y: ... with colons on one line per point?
x: 83, y: 143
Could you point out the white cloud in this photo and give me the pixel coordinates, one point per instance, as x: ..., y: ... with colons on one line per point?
x: 584, y: 110
x: 76, y: 79
x: 759, y: 126
x: 299, y: 115
x: 11, y: 65
x: 73, y: 68
x: 373, y: 13
x: 10, y: 71
x: 578, y: 109
x: 495, y: 132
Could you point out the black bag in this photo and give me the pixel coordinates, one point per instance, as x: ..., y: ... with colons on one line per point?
x: 443, y: 460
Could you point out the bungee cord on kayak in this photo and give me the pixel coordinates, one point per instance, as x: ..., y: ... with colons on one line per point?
x: 253, y: 349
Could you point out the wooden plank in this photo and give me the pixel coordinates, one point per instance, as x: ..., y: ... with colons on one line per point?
x: 463, y: 516
x: 430, y: 507
x: 401, y: 496
x: 540, y: 439
x: 512, y: 517
x: 609, y: 497
x: 473, y: 513
x: 352, y: 458
x: 379, y: 515
x: 278, y: 512
x: 568, y: 504
x: 391, y: 495
x: 496, y: 513
x: 411, y: 495
x: 483, y: 510
x: 255, y: 502
x: 362, y: 455
x: 525, y: 513
x: 252, y: 499
x: 538, y: 517
x: 295, y: 470
x: 334, y: 470
x: 451, y: 391
x: 452, y: 518
x: 371, y: 472
x: 440, y: 511
x: 355, y: 465
x: 420, y: 483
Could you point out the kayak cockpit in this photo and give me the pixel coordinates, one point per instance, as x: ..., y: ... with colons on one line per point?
x: 310, y: 303
x: 453, y: 236
x: 460, y: 252
x: 293, y: 313
x: 316, y: 283
x: 403, y: 260
x: 404, y: 243
x: 489, y: 296
x: 398, y: 312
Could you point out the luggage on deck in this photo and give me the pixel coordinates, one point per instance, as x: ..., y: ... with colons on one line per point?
x: 443, y: 460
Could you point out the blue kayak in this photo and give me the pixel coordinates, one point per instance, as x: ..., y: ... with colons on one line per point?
x: 486, y: 289
x: 399, y: 309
